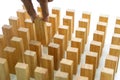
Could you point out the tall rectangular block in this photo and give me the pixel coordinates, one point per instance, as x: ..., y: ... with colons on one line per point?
x: 103, y: 18
x: 2, y: 44
x: 82, y: 78
x: 59, y: 75
x: 117, y: 29
x: 117, y: 20
x: 116, y: 39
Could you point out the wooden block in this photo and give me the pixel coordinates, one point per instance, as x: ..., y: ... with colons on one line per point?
x: 117, y: 20
x: 24, y: 34
x: 2, y: 44
x: 36, y: 46
x: 17, y: 43
x: 26, y: 13
x: 82, y: 78
x: 67, y: 20
x: 41, y: 73
x: 31, y: 60
x: 60, y: 39
x: 47, y: 62
x: 87, y: 71
x: 54, y: 50
x: 59, y: 75
x: 72, y: 54
x: 56, y: 11
x: 71, y: 12
x: 103, y: 18
x: 39, y: 9
x: 66, y: 65
x: 64, y: 30
x: 31, y: 27
x: 116, y: 39
x: 117, y: 29
x: 77, y: 43
x: 22, y: 71
x: 107, y: 74
x: 4, y: 75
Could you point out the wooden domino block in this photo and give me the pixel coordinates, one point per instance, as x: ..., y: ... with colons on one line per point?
x: 66, y: 65
x: 117, y: 29
x: 41, y: 73
x: 26, y: 13
x: 103, y: 18
x: 107, y: 74
x: 60, y: 39
x: 22, y: 71
x: 31, y: 60
x: 24, y: 34
x: 36, y: 46
x: 67, y: 20
x: 47, y: 62
x: 17, y: 43
x: 117, y: 20
x: 54, y: 50
x: 59, y: 75
x: 4, y: 75
x: 116, y: 39
x: 72, y: 54
x: 82, y: 78
x: 87, y: 71
x: 71, y: 12
x: 2, y: 44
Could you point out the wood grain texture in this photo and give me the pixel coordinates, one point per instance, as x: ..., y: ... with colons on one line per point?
x: 117, y: 29
x: 2, y: 44
x: 103, y: 18
x: 116, y: 39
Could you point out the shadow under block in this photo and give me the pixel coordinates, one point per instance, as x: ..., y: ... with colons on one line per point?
x: 47, y: 62
x: 66, y: 65
x: 17, y: 43
x: 107, y: 74
x: 36, y: 46
x: 59, y: 75
x: 71, y: 12
x: 82, y: 78
x: 31, y: 27
x: 22, y: 71
x: 60, y: 39
x: 67, y: 20
x: 87, y: 71
x: 4, y: 75
x: 54, y: 50
x: 2, y: 44
x: 117, y: 20
x: 117, y: 29
x: 24, y: 34
x: 41, y: 73
x: 103, y: 18
x: 116, y: 39
x: 31, y: 60
x: 72, y: 54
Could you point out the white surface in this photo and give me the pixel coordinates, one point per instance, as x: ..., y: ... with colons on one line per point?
x: 96, y: 7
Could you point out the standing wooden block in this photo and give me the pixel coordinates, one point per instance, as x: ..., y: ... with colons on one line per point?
x: 107, y: 74
x: 67, y: 66
x: 64, y: 30
x: 21, y: 16
x: 71, y: 12
x: 24, y: 34
x: 41, y: 73
x: 47, y: 62
x: 2, y: 44
x: 26, y: 13
x: 22, y: 71
x: 82, y: 78
x: 60, y: 39
x: 72, y: 54
x: 116, y: 39
x: 61, y: 75
x: 31, y: 60
x: 4, y: 75
x: 103, y: 18
x: 36, y: 46
x: 67, y: 20
x: 31, y: 27
x: 117, y: 20
x: 17, y: 43
x: 54, y: 50
x: 117, y: 29
x: 56, y: 11
x: 87, y: 71
x: 77, y: 43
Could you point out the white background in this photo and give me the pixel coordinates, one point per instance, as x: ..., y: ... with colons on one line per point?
x: 96, y: 7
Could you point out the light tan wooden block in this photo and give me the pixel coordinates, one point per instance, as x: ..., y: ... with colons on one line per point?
x: 116, y: 39
x: 24, y: 34
x: 39, y: 9
x: 107, y: 74
x: 59, y: 75
x: 54, y: 50
x: 117, y: 20
x: 47, y: 62
x: 36, y: 46
x: 66, y: 65
x: 22, y: 71
x: 56, y: 10
x: 72, y: 54
x: 117, y: 29
x: 41, y: 73
x: 31, y: 60
x: 26, y: 13
x: 82, y: 78
x: 77, y: 43
x: 103, y: 18
x: 4, y: 75
x: 2, y: 44
x: 87, y: 71
x: 31, y: 27
x: 60, y: 39
x: 17, y: 43
x: 71, y: 12
x: 67, y: 20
